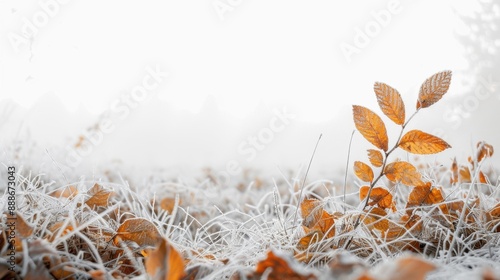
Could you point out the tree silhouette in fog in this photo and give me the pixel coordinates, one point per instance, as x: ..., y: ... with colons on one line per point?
x: 478, y: 110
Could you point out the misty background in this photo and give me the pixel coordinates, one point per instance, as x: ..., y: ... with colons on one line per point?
x: 234, y: 69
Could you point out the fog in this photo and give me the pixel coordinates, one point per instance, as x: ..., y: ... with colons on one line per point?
x: 237, y: 84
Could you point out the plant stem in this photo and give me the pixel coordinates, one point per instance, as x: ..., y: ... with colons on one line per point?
x: 304, y: 181
x: 347, y: 168
x: 380, y: 175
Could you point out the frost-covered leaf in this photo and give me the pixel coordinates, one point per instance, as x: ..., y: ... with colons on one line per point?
x: 426, y: 194
x: 363, y: 171
x: 311, y: 211
x: 419, y: 142
x: 484, y: 150
x: 371, y: 126
x: 390, y: 102
x: 168, y: 204
x: 138, y: 230
x: 379, y: 196
x: 164, y: 262
x: 404, y: 172
x: 277, y: 268
x: 433, y: 89
x: 376, y: 158
x: 99, y: 196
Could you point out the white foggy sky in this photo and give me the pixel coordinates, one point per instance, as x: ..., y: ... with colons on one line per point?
x: 270, y: 54
x: 278, y: 52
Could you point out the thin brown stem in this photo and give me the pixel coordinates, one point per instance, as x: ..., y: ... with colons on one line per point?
x: 382, y: 173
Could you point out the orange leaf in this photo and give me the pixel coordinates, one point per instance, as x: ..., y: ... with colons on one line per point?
x: 67, y: 192
x: 164, y: 262
x: 168, y: 204
x: 376, y: 157
x: 138, y: 230
x: 495, y: 211
x: 419, y: 142
x: 482, y: 178
x: 343, y: 265
x: 57, y: 269
x: 410, y: 268
x: 376, y: 218
x: 97, y: 274
x: 99, y: 196
x: 371, y: 126
x: 390, y: 102
x: 413, y: 222
x: 454, y: 172
x: 310, y: 238
x: 484, y: 150
x: 365, y: 276
x: 24, y: 229
x: 58, y: 231
x: 433, y: 89
x: 379, y: 196
x: 326, y: 224
x: 465, y: 176
x: 363, y: 171
x: 276, y: 267
x: 403, y: 171
x: 311, y: 210
x: 426, y: 195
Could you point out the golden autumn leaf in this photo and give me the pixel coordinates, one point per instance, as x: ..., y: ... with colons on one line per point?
x: 482, y: 178
x: 276, y: 268
x: 488, y: 274
x: 493, y: 218
x: 371, y: 126
x: 138, y: 230
x: 426, y: 195
x: 99, y: 196
x: 365, y: 276
x: 363, y: 171
x: 67, y: 192
x: 413, y: 223
x: 376, y: 217
x: 465, y: 176
x: 57, y: 269
x: 311, y: 211
x: 97, y: 274
x: 24, y: 229
x: 410, y: 268
x: 343, y: 265
x: 376, y: 158
x: 168, y: 204
x: 495, y: 211
x: 315, y: 220
x: 484, y: 150
x: 58, y: 230
x: 390, y: 102
x: 433, y: 89
x: 404, y: 172
x: 164, y: 262
x: 312, y: 237
x: 397, y: 230
x: 379, y: 196
x: 419, y: 142
x: 454, y: 171
x: 326, y: 224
